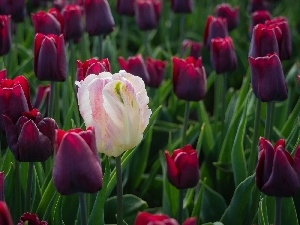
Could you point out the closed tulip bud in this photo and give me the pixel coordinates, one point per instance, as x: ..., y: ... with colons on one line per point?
x: 125, y: 7
x: 50, y: 62
x: 72, y: 15
x: 5, y: 217
x: 16, y: 8
x: 31, y: 138
x: 214, y: 27
x: 72, y: 174
x: 225, y: 10
x: 5, y: 34
x: 277, y: 173
x: 30, y: 219
x: 183, y: 167
x: 91, y: 66
x: 258, y: 17
x: 98, y: 17
x: 267, y: 78
x: 194, y: 48
x: 117, y: 107
x: 179, y: 6
x: 222, y: 55
x: 156, y: 70
x: 189, y: 79
x: 136, y: 66
x: 144, y: 218
x: 50, y: 22
x: 255, y: 5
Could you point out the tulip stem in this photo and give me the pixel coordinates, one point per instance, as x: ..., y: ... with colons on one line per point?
x: 146, y: 43
x: 82, y: 204
x: 124, y: 37
x: 119, y: 191
x: 52, y: 100
x: 28, y: 188
x: 100, y: 46
x: 278, y: 206
x: 17, y: 197
x: 269, y: 117
x: 180, y: 205
x: 185, y: 122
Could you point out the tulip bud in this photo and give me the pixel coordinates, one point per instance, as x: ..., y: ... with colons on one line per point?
x: 156, y: 70
x: 15, y: 8
x: 183, y: 167
x: 31, y: 139
x: 125, y: 7
x: 225, y: 10
x: 267, y: 78
x: 91, y: 66
x: 179, y: 6
x: 214, y: 27
x: 5, y: 34
x: 222, y: 57
x: 117, y: 107
x: 71, y: 174
x: 98, y: 17
x: 193, y: 47
x: 30, y: 219
x: 5, y: 217
x: 136, y: 66
x: 143, y: 218
x: 255, y: 5
x: 50, y: 62
x: 277, y: 173
x: 189, y: 79
x: 258, y: 17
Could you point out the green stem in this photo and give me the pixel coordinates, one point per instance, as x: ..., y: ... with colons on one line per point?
x: 185, y: 122
x: 124, y: 36
x: 278, y: 206
x: 253, y: 153
x: 18, y: 206
x: 180, y: 205
x: 100, y: 47
x: 119, y: 191
x: 181, y: 33
x: 223, y: 103
x: 146, y: 44
x: 52, y: 100
x: 269, y: 117
x: 28, y: 188
x: 82, y: 204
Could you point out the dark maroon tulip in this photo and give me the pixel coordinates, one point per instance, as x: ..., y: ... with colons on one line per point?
x: 285, y: 40
x: 125, y: 7
x: 98, y: 17
x: 42, y: 96
x: 190, y: 221
x: 50, y: 22
x: 136, y: 66
x: 50, y: 62
x: 91, y: 66
x: 60, y: 4
x: 72, y: 15
x: 225, y: 10
x: 5, y: 34
x: 214, y: 27
x: 15, y: 8
x: 183, y: 167
x: 258, y: 17
x: 144, y: 218
x: 277, y: 173
x: 5, y: 217
x: 194, y: 48
x: 255, y: 5
x: 189, y: 79
x: 71, y: 173
x: 14, y: 98
x: 30, y: 219
x: 180, y: 6
x: 156, y: 71
x: 1, y: 186
x: 267, y: 78
x: 31, y: 139
x: 222, y: 55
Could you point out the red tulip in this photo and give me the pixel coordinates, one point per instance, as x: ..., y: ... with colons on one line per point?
x: 214, y: 27
x: 255, y: 5
x: 30, y: 219
x: 5, y: 34
x: 145, y: 218
x: 5, y: 217
x: 225, y: 10
x: 179, y: 6
x: 156, y: 70
x: 194, y: 48
x: 258, y: 17
x: 91, y: 66
x: 125, y: 7
x: 15, y: 8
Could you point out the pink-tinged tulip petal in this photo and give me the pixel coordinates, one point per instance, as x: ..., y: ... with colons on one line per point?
x: 190, y: 221
x: 91, y: 66
x: 5, y: 217
x: 144, y: 218
x: 214, y: 27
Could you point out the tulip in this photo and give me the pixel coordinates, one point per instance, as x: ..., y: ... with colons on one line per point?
x: 50, y: 22
x: 225, y: 10
x: 179, y: 6
x: 42, y: 96
x: 156, y: 70
x: 147, y: 13
x: 189, y: 79
x: 16, y: 8
x: 135, y: 65
x: 98, y: 17
x: 194, y: 48
x: 50, y: 61
x: 222, y: 57
x: 91, y: 66
x: 267, y: 78
x: 214, y: 27
x: 72, y: 15
x: 71, y: 174
x: 277, y: 173
x: 30, y: 219
x: 258, y: 17
x: 183, y: 167
x: 145, y: 218
x: 60, y: 4
x: 5, y: 217
x: 5, y: 34
x: 255, y: 5
x: 116, y: 106
x: 125, y: 7
x: 31, y: 138
x: 190, y: 221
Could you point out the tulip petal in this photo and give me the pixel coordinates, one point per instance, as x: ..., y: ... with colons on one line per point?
x: 172, y: 171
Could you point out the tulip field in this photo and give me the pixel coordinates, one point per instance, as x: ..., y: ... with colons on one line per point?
x: 149, y: 112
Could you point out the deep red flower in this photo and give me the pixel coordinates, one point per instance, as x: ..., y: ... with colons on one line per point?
x: 214, y: 27
x: 42, y: 96
x: 91, y: 66
x: 255, y: 5
x: 194, y: 48
x: 179, y: 6
x: 15, y: 8
x: 5, y: 217
x: 5, y: 34
x: 258, y: 17
x: 225, y: 10
x: 156, y: 70
x: 30, y: 219
x: 125, y: 7
x: 145, y: 218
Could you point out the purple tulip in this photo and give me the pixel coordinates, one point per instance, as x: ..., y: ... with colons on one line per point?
x: 5, y: 34
x: 42, y: 96
x: 5, y: 217
x: 214, y: 27
x: 125, y: 7
x: 156, y: 70
x: 30, y: 219
x: 15, y: 8
x: 225, y: 10
x: 180, y: 6
x: 193, y: 47
x: 255, y: 5
x: 258, y: 17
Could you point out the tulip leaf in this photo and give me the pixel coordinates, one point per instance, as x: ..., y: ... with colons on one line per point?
x: 288, y: 126
x: 263, y: 213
